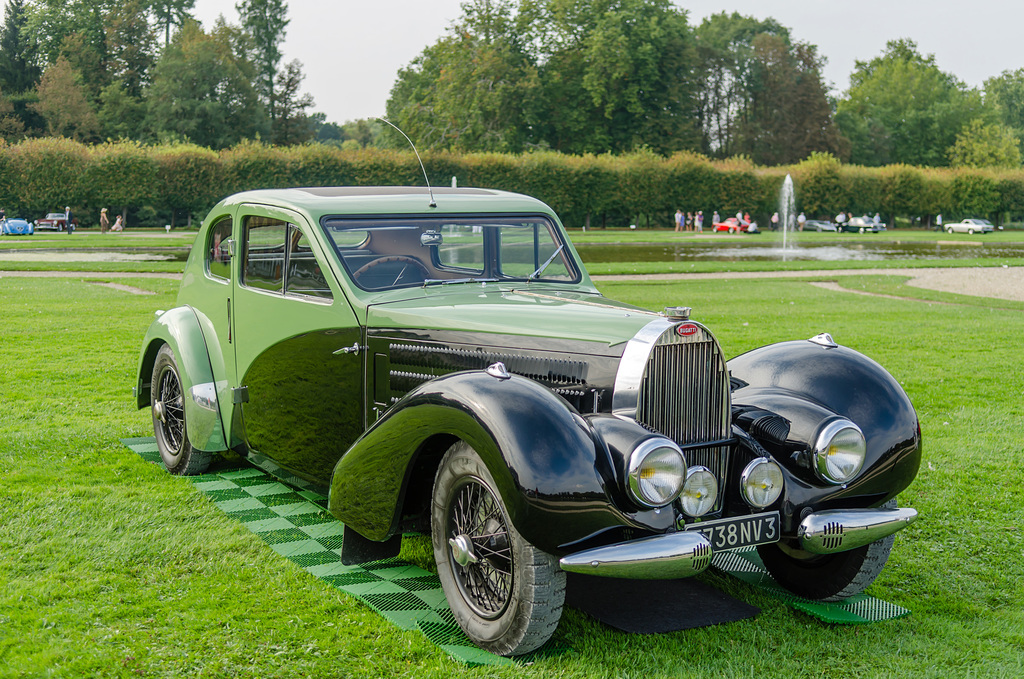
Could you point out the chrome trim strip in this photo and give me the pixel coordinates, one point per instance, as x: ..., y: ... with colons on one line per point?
x: 205, y: 395
x: 841, y: 530
x: 626, y: 393
x: 661, y: 557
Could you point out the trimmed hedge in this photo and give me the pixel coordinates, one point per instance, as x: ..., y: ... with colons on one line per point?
x: 642, y: 188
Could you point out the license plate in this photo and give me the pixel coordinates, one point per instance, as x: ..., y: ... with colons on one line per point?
x: 742, y: 531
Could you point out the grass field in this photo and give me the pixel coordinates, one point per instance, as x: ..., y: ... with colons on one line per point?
x: 111, y: 568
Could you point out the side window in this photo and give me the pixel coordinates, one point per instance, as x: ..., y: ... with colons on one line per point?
x: 305, y: 277
x: 218, y: 259
x: 278, y: 258
x: 263, y: 267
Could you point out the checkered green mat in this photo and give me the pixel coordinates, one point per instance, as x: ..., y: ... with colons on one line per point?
x: 857, y: 610
x: 295, y: 523
x: 293, y: 520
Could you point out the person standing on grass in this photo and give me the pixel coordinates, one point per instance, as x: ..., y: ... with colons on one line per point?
x: 68, y: 224
x: 699, y: 221
x: 801, y: 219
x: 715, y: 219
x: 679, y: 220
x: 104, y: 221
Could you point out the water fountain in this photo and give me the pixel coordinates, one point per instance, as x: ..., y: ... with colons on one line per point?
x: 787, y: 209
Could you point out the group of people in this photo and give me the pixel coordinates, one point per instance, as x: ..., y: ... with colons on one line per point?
x: 104, y: 222
x: 691, y: 221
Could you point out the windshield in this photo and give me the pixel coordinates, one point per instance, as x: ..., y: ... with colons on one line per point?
x: 381, y: 254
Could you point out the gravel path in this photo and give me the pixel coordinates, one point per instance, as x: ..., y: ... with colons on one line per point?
x: 997, y: 282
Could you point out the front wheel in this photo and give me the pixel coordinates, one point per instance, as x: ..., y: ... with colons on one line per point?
x: 949, y: 229
x: 827, y: 577
x: 168, y: 399
x: 506, y: 594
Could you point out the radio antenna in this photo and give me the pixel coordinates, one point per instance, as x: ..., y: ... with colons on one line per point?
x: 433, y: 203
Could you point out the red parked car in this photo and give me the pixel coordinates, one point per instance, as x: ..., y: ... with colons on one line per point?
x: 733, y: 225
x: 54, y: 221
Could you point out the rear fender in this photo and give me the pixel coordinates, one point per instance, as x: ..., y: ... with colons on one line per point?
x: 550, y: 468
x: 180, y: 330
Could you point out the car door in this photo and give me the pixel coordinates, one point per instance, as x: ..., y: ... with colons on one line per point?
x: 296, y: 346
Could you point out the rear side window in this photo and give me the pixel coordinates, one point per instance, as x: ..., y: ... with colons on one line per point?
x: 218, y: 258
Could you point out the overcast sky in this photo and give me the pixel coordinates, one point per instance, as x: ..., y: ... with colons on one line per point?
x: 351, y: 50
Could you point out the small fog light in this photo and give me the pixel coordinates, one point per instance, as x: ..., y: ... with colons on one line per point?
x: 700, y: 491
x: 761, y: 482
x: 839, y: 451
x: 656, y: 471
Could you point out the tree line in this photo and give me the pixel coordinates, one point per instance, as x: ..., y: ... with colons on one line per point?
x: 146, y: 70
x: 509, y: 76
x: 175, y: 183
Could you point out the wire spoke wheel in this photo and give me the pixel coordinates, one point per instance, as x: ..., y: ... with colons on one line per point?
x: 170, y: 410
x: 486, y: 579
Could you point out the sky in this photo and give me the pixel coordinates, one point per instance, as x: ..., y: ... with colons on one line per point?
x: 351, y: 50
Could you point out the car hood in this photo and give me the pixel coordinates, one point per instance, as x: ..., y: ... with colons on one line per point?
x: 535, y: 312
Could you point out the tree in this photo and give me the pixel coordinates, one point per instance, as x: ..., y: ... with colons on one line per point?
x: 201, y: 91
x: 18, y: 72
x: 985, y: 145
x: 901, y: 108
x: 11, y: 127
x: 265, y: 21
x: 725, y: 71
x: 789, y: 115
x: 168, y: 13
x: 63, y: 103
x: 131, y: 46
x: 473, y: 89
x: 290, y: 124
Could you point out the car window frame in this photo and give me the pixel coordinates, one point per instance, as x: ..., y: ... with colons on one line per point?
x: 293, y: 223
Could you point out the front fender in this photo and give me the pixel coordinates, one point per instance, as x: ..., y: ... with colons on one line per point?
x: 551, y: 471
x: 807, y: 384
x: 180, y: 330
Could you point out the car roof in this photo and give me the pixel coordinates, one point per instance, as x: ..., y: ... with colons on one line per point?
x: 369, y: 200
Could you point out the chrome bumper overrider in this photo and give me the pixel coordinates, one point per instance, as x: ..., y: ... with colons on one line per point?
x: 841, y: 530
x: 662, y: 557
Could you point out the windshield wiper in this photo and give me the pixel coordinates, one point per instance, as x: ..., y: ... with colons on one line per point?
x: 536, y: 274
x: 449, y: 281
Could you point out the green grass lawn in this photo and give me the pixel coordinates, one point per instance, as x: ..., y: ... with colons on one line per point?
x: 111, y: 568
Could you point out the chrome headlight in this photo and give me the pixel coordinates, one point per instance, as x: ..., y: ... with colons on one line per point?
x: 839, y: 451
x: 700, y: 491
x: 657, y: 468
x: 761, y: 482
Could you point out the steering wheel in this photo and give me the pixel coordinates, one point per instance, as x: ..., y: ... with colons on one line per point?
x: 402, y: 264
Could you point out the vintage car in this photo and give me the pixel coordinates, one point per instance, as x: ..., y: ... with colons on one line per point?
x: 819, y: 225
x: 733, y: 225
x: 971, y: 226
x: 16, y: 227
x: 442, y: 363
x: 54, y: 221
x: 862, y: 225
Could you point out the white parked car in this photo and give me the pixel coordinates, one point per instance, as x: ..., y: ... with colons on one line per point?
x: 971, y: 226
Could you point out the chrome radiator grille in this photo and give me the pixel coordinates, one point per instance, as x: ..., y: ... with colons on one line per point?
x: 684, y: 394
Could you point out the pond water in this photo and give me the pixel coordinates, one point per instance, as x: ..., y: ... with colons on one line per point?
x: 770, y: 251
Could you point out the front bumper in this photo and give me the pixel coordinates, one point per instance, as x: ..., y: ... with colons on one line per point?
x: 661, y: 557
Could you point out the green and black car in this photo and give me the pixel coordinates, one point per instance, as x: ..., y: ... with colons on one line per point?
x: 442, y: 363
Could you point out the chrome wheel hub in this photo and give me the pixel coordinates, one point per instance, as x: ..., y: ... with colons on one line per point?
x: 462, y: 550
x: 158, y: 410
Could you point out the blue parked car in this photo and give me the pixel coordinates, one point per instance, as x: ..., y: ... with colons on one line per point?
x: 16, y: 227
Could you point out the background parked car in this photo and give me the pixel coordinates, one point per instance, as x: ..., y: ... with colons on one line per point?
x: 16, y: 227
x: 862, y: 225
x: 54, y: 221
x: 733, y: 225
x: 971, y: 225
x: 819, y: 226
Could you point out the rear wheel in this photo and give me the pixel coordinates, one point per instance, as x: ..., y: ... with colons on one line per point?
x: 949, y: 229
x: 168, y: 408
x: 827, y: 577
x: 506, y: 594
